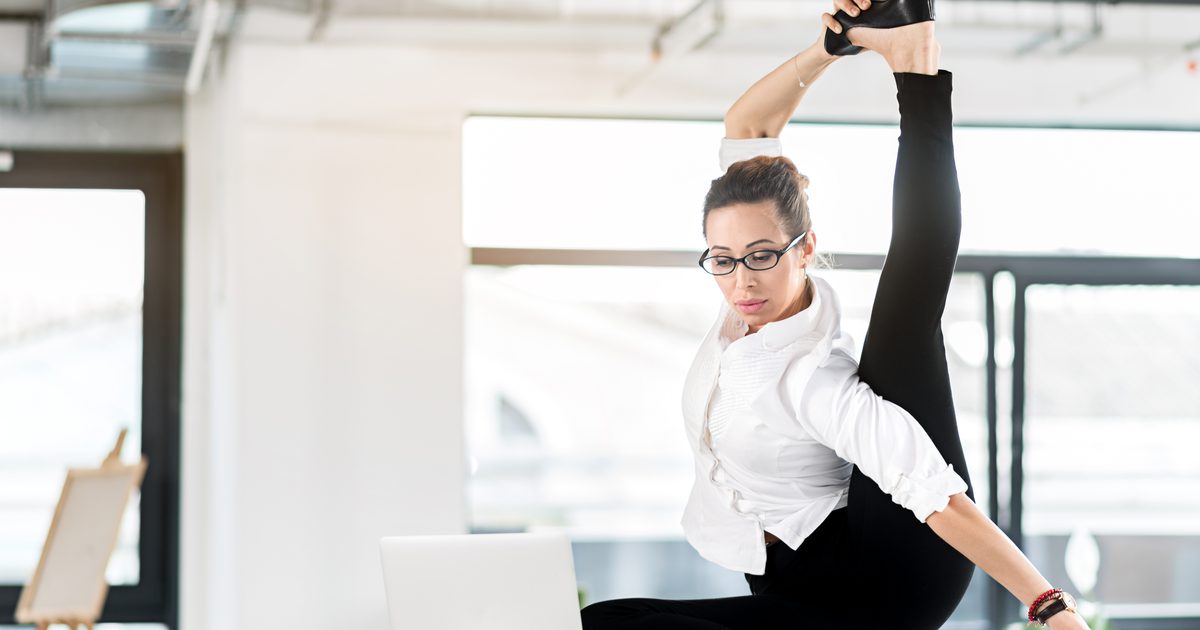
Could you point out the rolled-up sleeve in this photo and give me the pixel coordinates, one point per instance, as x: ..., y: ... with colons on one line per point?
x: 738, y: 149
x: 880, y: 437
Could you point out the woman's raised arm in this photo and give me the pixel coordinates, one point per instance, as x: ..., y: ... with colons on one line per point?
x: 966, y: 528
x: 764, y: 109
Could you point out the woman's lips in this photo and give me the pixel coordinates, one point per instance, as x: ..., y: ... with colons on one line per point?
x: 751, y: 306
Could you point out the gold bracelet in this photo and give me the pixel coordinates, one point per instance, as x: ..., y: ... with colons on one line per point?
x: 796, y: 65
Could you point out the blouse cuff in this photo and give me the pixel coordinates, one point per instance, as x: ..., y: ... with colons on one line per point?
x: 929, y: 494
x: 738, y: 149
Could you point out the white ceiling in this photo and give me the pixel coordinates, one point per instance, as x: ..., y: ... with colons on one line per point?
x: 995, y: 29
x: 1155, y: 36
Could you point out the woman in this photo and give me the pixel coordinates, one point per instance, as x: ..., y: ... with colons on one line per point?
x: 810, y: 469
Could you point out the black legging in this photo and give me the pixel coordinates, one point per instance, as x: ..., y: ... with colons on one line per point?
x: 871, y: 564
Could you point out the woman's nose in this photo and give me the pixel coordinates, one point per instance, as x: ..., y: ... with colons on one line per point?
x: 744, y: 275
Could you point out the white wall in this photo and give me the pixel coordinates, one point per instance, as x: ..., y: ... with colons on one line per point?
x: 323, y: 372
x: 323, y: 402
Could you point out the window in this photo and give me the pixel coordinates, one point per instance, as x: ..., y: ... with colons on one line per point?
x: 639, y: 185
x: 70, y: 355
x: 584, y: 236
x: 1109, y: 451
x: 90, y: 262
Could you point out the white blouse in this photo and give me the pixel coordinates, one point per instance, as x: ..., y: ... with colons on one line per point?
x: 776, y: 421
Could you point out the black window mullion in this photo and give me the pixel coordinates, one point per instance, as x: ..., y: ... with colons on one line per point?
x: 997, y: 598
x: 1017, y: 479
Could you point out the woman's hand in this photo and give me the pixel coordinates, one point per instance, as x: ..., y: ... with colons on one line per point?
x: 1067, y: 621
x: 852, y: 7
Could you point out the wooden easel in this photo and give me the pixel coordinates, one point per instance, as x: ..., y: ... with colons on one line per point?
x: 113, y: 459
x: 114, y: 456
x: 85, y: 608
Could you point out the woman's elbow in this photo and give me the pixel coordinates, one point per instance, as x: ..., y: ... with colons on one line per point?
x: 958, y: 505
x: 739, y: 126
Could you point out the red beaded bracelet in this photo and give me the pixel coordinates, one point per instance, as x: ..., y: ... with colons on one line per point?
x: 1038, y: 602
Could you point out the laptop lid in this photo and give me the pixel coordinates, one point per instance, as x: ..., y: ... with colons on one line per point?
x: 519, y: 581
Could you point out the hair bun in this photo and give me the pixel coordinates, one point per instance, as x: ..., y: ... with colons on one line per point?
x: 763, y: 178
x: 801, y: 178
x: 787, y: 161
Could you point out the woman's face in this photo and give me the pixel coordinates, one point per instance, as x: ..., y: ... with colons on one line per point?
x: 765, y: 296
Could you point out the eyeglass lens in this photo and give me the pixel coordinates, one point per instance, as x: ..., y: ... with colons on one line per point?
x: 758, y: 261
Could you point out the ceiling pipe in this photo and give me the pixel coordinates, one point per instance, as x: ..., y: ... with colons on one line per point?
x: 181, y: 40
x: 1039, y: 40
x: 58, y: 8
x: 37, y: 57
x: 152, y: 79
x: 1093, y: 34
x: 706, y: 16
x: 204, y: 40
x: 1044, y: 36
x: 322, y: 12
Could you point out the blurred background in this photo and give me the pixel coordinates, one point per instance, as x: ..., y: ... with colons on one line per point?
x: 357, y: 268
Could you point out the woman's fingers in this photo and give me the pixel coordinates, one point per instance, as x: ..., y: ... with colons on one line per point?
x: 831, y: 23
x: 852, y: 7
x: 847, y: 6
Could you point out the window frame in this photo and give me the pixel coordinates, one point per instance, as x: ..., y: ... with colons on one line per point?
x: 1026, y: 270
x: 159, y: 176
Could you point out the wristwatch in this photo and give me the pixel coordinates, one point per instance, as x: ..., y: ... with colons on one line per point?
x: 1058, y: 603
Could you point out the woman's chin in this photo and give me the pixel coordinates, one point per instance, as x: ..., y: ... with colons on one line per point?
x: 755, y: 320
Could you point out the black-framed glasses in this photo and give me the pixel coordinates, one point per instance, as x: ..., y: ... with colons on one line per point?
x: 760, y: 260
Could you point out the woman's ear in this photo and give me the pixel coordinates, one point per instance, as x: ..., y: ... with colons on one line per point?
x: 810, y: 247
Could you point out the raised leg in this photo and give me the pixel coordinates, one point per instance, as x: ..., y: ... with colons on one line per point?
x: 918, y: 578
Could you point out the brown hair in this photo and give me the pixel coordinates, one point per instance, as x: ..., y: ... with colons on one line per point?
x: 759, y: 179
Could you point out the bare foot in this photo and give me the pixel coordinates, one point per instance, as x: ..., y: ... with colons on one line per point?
x: 909, y: 48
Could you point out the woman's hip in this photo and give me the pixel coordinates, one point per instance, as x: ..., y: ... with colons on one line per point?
x: 812, y: 569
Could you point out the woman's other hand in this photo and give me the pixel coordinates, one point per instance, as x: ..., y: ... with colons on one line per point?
x: 851, y: 7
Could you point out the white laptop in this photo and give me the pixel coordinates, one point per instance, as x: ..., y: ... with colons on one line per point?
x: 520, y: 581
